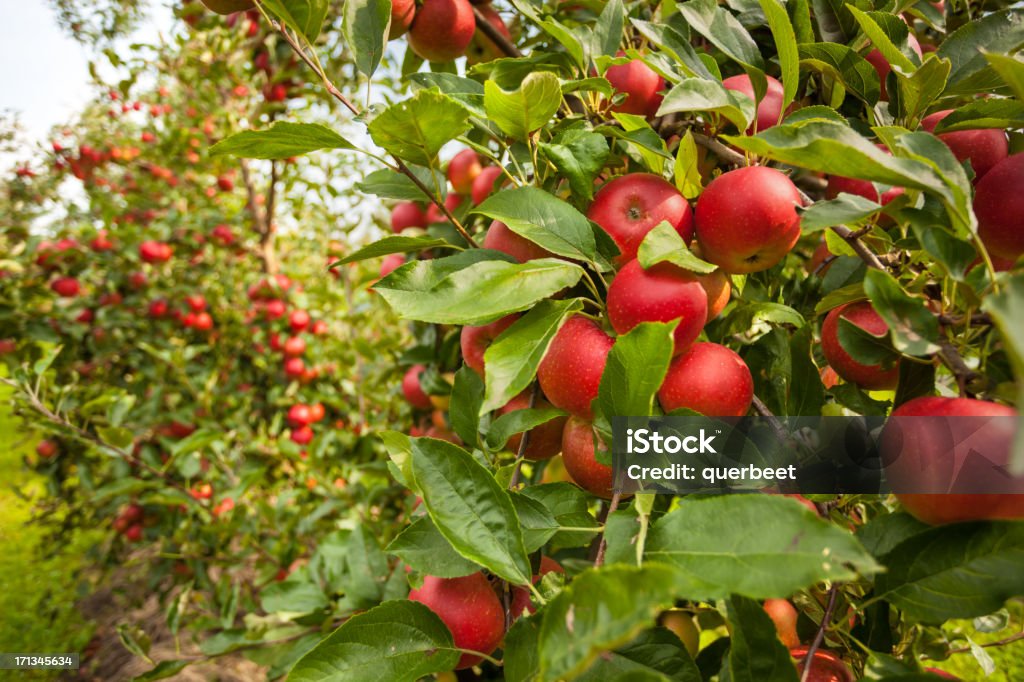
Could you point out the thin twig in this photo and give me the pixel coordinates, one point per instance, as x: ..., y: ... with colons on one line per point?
x: 601, y: 548
x: 951, y: 358
x: 865, y: 254
x: 489, y: 30
x: 523, y: 442
x: 826, y: 619
x: 723, y: 152
x: 1002, y: 642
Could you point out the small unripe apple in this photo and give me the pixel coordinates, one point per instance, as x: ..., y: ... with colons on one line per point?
x: 710, y: 379
x: 984, y: 148
x: 784, y: 615
x: 579, y: 452
x: 570, y: 373
x: 919, y: 451
x: 521, y: 602
x: 630, y: 206
x: 662, y: 293
x: 500, y: 238
x: 999, y: 205
x: 476, y: 340
x: 442, y: 29
x: 485, y: 183
x: 470, y: 609
x: 641, y: 84
x: 769, y: 109
x: 746, y: 219
x: 544, y: 441
x: 413, y: 391
x: 463, y: 169
x: 407, y: 214
x: 825, y: 666
x: 871, y: 377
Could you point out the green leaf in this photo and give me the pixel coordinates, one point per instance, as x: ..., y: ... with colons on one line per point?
x: 657, y: 651
x: 464, y: 411
x: 687, y: 167
x: 571, y: 508
x: 399, y: 641
x: 43, y: 363
x: 806, y: 392
x: 367, y: 568
x: 863, y: 346
x: 883, y: 533
x: 440, y: 292
x: 567, y: 39
x: 365, y: 24
x: 722, y: 29
x: 972, y: 569
x: 608, y: 30
x: 537, y: 522
x: 305, y: 16
x: 465, y: 90
x: 197, y: 440
x: 648, y: 147
x: 785, y: 46
x: 543, y: 219
x: 922, y: 87
x: 914, y: 328
x: 118, y: 437
x: 755, y: 652
x: 722, y: 546
x: 881, y: 40
x: 281, y: 141
x: 984, y: 113
x: 520, y: 112
x: 521, y: 661
x: 470, y: 509
x: 999, y: 32
x: 415, y: 130
x: 636, y: 367
x: 292, y: 597
x: 1010, y: 69
x: 845, y: 208
x: 518, y: 421
x: 394, y: 244
x: 162, y: 671
x: 846, y: 66
x: 663, y: 244
x: 1007, y: 311
x: 511, y: 361
x: 389, y: 184
x: 422, y: 547
x: 580, y: 156
x: 577, y: 626
x: 695, y: 94
x: 673, y: 44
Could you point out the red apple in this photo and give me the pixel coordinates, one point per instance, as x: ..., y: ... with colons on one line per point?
x: 917, y: 450
x: 983, y: 148
x: 485, y: 183
x: 47, y: 449
x: 641, y: 85
x: 294, y: 346
x: 746, y: 219
x: 545, y: 441
x: 883, y: 67
x: 630, y: 206
x: 155, y: 252
x: 500, y: 238
x: 451, y: 202
x: 471, y: 610
x: 570, y: 373
x: 769, y: 109
x: 402, y: 13
x: 579, y: 445
x: 300, y: 415
x: 66, y: 287
x: 298, y: 321
x: 442, y: 29
x: 476, y: 340
x: 521, y: 596
x: 196, y: 302
x: 294, y: 368
x: 412, y: 390
x: 710, y: 379
x: 871, y: 377
x: 482, y: 48
x: 661, y: 293
x: 302, y: 435
x: 407, y: 214
x: 999, y: 205
x: 203, y: 322
x: 784, y: 616
x: 825, y: 666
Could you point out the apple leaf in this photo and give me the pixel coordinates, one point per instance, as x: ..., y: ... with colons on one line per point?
x: 470, y: 509
x: 998, y: 32
x: 755, y: 652
x: 725, y: 32
x: 398, y: 640
x: 1007, y: 310
x: 520, y: 112
x: 580, y: 156
x: 464, y: 412
x: 635, y: 370
x: 365, y: 24
x: 663, y: 244
x: 656, y: 652
x: 521, y: 661
x: 421, y: 546
x: 673, y: 44
x: 985, y: 113
x: 571, y: 508
x: 845, y: 65
x: 518, y: 421
x: 785, y: 46
x: 687, y: 167
x: 914, y: 328
x: 394, y: 244
x: 305, y: 16
x: 544, y: 219
x: 1011, y: 70
x: 280, y: 141
x: 697, y: 94
x: 845, y: 208
x: 415, y: 129
x: 537, y: 522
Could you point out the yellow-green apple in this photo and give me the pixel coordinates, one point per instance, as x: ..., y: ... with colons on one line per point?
x: 570, y: 373
x: 470, y: 609
x: 710, y: 379
x: 682, y: 626
x: 871, y: 377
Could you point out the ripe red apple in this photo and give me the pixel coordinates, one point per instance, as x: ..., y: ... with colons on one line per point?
x: 66, y: 287
x: 661, y: 293
x: 579, y: 445
x: 412, y: 390
x: 407, y: 214
x: 470, y: 609
x: 442, y: 29
x: 463, y: 169
x: 482, y: 48
x: 570, y: 373
x: 769, y: 109
x: 476, y: 340
x: 298, y: 321
x: 630, y: 206
x: 451, y: 202
x: 710, y: 379
x: 47, y: 449
x: 746, y: 219
x: 521, y: 596
x: 983, y: 148
x: 999, y: 205
x: 133, y: 533
x: 641, y: 85
x: 317, y: 411
x: 485, y: 183
x: 294, y: 368
x: 275, y: 308
x: 228, y: 6
x: 500, y: 238
x: 196, y: 302
x: 545, y: 441
x: 784, y: 616
x: 202, y: 322
x: 825, y: 666
x: 155, y: 252
x: 302, y: 435
x: 300, y: 415
x: 402, y: 14
x: 871, y: 377
x: 917, y: 450
x: 883, y: 67
x: 294, y: 346
x: 391, y: 263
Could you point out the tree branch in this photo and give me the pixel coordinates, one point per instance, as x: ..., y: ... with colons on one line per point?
x: 489, y: 30
x: 723, y: 152
x: 826, y: 620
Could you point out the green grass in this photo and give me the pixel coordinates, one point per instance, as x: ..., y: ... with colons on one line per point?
x: 37, y: 592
